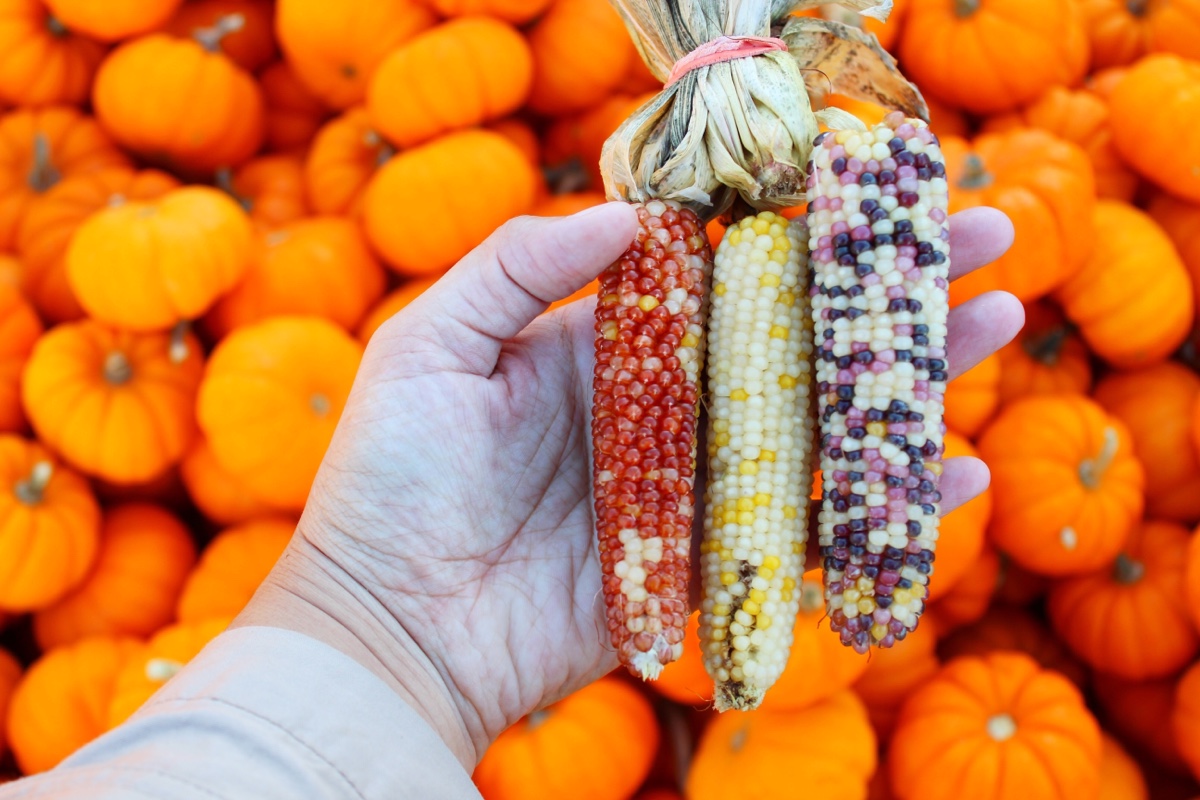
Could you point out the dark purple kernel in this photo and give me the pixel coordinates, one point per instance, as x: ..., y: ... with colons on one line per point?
x: 840, y: 530
x: 841, y: 506
x: 857, y: 551
x: 905, y: 238
x: 921, y: 329
x: 912, y: 560
x: 854, y: 455
x: 864, y: 357
x: 868, y: 205
x: 896, y: 305
x: 912, y: 496
x: 922, y: 159
x: 838, y: 291
x: 857, y: 525
x: 895, y: 418
x: 883, y: 602
x: 838, y: 252
x: 842, y: 407
x: 904, y: 226
x: 896, y: 144
x: 838, y: 166
x: 893, y: 482
x: 908, y: 199
x: 854, y: 291
x: 866, y: 179
x: 896, y: 439
x: 924, y: 173
x: 924, y: 260
x: 924, y: 569
x: 924, y: 247
x: 920, y: 341
x: 855, y: 313
x: 937, y: 169
x: 937, y: 363
x: 937, y: 375
x: 860, y: 246
x: 878, y: 215
x: 859, y: 539
x: 920, y: 362
x: 927, y: 508
x: 929, y: 449
x: 845, y: 392
x: 874, y: 415
x: 843, y: 362
x: 877, y: 523
x: 841, y: 240
x: 846, y: 260
x: 820, y: 138
x: 913, y: 452
x: 861, y: 270
x: 939, y: 258
x: 871, y: 572
x: 835, y: 314
x: 856, y: 433
x: 898, y: 407
x: 882, y: 239
x: 891, y: 564
x: 903, y: 159
x: 857, y: 500
x: 854, y: 476
x: 926, y: 486
x: 904, y: 355
x: 904, y: 583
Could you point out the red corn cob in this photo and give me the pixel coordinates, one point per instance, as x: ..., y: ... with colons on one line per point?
x: 649, y: 355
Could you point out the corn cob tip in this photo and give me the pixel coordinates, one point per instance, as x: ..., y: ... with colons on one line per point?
x: 647, y: 666
x: 737, y: 697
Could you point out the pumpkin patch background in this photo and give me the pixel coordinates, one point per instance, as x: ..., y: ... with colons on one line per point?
x: 207, y: 208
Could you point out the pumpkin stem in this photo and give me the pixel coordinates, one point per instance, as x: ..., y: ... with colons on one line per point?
x: 738, y: 740
x: 811, y: 597
x: 177, y: 350
x: 1001, y: 727
x: 117, y: 369
x: 223, y: 179
x: 43, y: 174
x: 210, y: 38
x: 536, y: 718
x: 55, y: 26
x: 383, y: 150
x: 965, y: 8
x: 1092, y: 470
x: 1046, y: 348
x: 976, y: 175
x: 1137, y: 7
x: 31, y: 490
x: 1127, y: 570
x: 161, y: 670
x: 320, y: 404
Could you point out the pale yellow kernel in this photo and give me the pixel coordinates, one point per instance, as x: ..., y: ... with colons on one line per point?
x: 728, y: 579
x: 762, y: 499
x: 751, y: 607
x: 689, y: 340
x: 934, y: 467
x: 721, y: 425
x: 760, y: 226
x: 866, y: 606
x: 900, y: 596
x: 778, y: 332
x: 782, y: 244
x: 729, y: 517
x: 919, y: 591
x: 786, y: 298
x: 787, y: 381
x: 738, y: 394
x: 786, y: 595
x: 877, y: 429
x: 721, y: 610
x: 745, y: 518
x: 745, y: 504
x: 772, y: 562
x: 763, y: 622
x: 766, y: 455
x: 851, y: 595
x: 719, y: 289
x: 748, y: 468
x: 647, y: 303
x: 734, y: 236
x: 779, y: 257
x: 769, y: 279
x: 797, y: 548
x: 725, y: 553
x: 758, y: 596
x: 788, y: 583
x: 766, y: 574
x: 877, y: 631
x: 721, y: 439
x: 718, y: 634
x: 789, y: 512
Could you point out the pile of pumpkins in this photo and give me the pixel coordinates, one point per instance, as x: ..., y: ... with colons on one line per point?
x: 207, y: 207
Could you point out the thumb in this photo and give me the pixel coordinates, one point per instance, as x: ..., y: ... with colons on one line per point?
x: 460, y: 323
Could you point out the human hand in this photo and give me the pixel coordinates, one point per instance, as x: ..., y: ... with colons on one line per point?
x: 448, y: 539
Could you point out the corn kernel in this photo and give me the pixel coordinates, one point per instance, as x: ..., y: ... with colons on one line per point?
x: 738, y: 394
x: 748, y: 468
x: 647, y: 303
x: 766, y: 455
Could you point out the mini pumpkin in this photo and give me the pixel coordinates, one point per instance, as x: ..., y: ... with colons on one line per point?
x: 52, y: 219
x: 763, y: 753
x: 894, y: 673
x: 343, y: 158
x: 319, y: 266
x: 1181, y: 222
x: 1159, y: 90
x: 390, y: 305
x: 963, y: 52
x: 293, y: 114
x: 992, y: 727
x: 174, y: 256
x: 181, y: 100
x: 420, y: 224
x: 42, y: 60
x: 521, y: 134
x: 577, y: 138
x: 220, y: 497
x: 335, y: 47
x: 1009, y: 628
x: 973, y: 397
x: 1046, y: 357
x: 1139, y: 713
x: 231, y: 568
x: 1067, y: 486
x: 111, y: 20
x: 514, y: 11
x: 116, y: 404
x: 1156, y: 403
x: 1122, y: 31
x: 1120, y: 776
x: 535, y: 759
x: 457, y: 75
x: 61, y: 704
x: 1046, y: 187
x: 49, y: 527
x: 251, y: 43
x: 269, y: 188
x: 961, y: 533
x: 19, y: 330
x: 1133, y: 300
x: 573, y: 72
x: 39, y: 148
x: 1191, y: 580
x: 133, y: 586
x: 1185, y: 719
x: 167, y: 652
x: 10, y: 271
x: 967, y: 600
x: 270, y: 400
x: 1131, y: 618
x: 10, y: 676
x: 1102, y: 82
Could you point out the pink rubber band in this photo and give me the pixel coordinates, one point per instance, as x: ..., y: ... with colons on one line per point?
x: 723, y: 48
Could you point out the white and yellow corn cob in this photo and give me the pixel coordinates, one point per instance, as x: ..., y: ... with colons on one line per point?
x: 880, y: 247
x: 760, y: 432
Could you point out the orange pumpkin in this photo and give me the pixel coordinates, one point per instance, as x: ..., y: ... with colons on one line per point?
x: 270, y: 400
x: 43, y: 60
x: 829, y: 748
x: 116, y: 404
x: 417, y: 219
x: 458, y: 75
x: 521, y: 134
x: 514, y: 11
x: 62, y: 702
x: 562, y: 205
x: 1185, y: 719
x: 335, y: 47
x: 1181, y: 221
x: 1139, y: 713
x: 19, y: 330
x: 219, y: 497
x: 390, y: 305
x: 973, y: 397
x: 49, y: 527
x: 1007, y: 628
x: 269, y: 188
x: 1120, y: 776
x: 587, y: 291
x: 319, y: 266
x: 1079, y: 116
x: 38, y: 148
x: 1103, y: 82
x: 167, y: 652
x: 10, y: 675
x: 992, y: 727
x: 1156, y: 403
x: 10, y: 271
x: 173, y: 257
x: 961, y: 532
x: 967, y: 600
x: 145, y: 555
x: 573, y: 72
x: 963, y: 52
x: 1130, y: 618
x: 685, y: 680
x: 52, y: 219
x: 1047, y: 357
x: 1067, y: 486
x: 1046, y: 187
x: 533, y: 759
x: 894, y: 673
x: 1018, y: 586
x: 251, y: 43
x: 111, y: 20
x: 341, y: 162
x: 293, y: 114
x: 181, y: 100
x: 1159, y: 90
x: 231, y: 568
x: 1122, y: 31
x: 1192, y: 579
x: 1133, y: 301
x: 580, y: 136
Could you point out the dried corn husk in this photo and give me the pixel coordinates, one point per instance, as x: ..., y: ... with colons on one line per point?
x: 743, y: 127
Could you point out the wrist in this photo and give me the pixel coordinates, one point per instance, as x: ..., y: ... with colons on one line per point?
x: 310, y: 593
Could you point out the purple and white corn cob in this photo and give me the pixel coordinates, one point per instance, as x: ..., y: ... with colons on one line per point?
x: 880, y: 246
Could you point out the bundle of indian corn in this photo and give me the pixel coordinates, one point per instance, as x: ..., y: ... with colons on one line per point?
x: 827, y: 329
